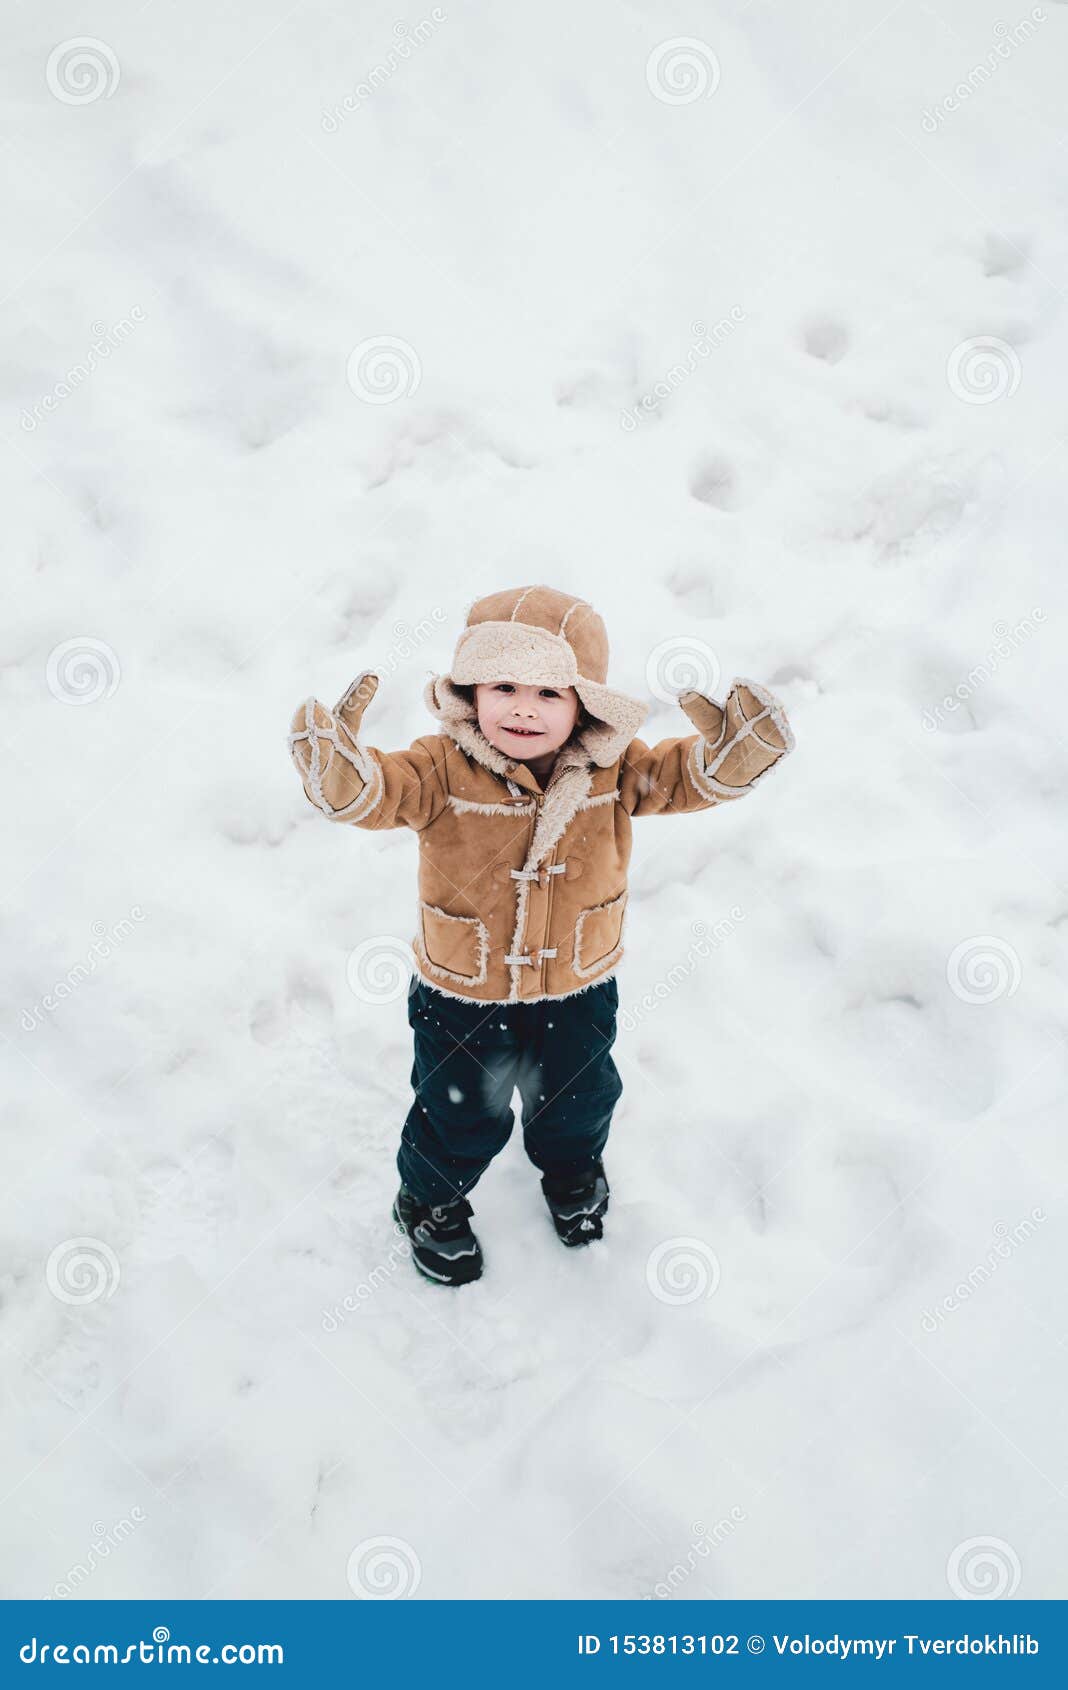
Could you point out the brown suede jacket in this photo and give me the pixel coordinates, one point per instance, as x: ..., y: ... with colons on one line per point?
x: 523, y: 888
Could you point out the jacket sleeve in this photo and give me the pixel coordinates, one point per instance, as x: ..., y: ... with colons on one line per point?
x: 351, y: 782
x: 659, y: 780
x: 738, y: 744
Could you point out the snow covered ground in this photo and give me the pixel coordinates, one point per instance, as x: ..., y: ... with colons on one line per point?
x: 747, y: 322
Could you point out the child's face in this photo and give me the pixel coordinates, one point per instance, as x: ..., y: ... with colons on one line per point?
x: 525, y: 721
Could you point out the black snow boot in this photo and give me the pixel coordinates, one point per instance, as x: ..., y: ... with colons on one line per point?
x: 443, y: 1246
x: 578, y: 1204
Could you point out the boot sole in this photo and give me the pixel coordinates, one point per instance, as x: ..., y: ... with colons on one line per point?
x: 575, y: 1243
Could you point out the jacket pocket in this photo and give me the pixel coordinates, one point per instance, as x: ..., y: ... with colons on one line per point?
x: 598, y: 932
x: 455, y: 945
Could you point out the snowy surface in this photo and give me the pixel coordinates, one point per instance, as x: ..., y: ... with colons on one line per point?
x: 852, y: 1105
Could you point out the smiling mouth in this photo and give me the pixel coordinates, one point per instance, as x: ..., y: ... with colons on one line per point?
x: 524, y: 733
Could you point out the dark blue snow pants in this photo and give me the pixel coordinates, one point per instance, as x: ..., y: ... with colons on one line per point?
x: 469, y: 1059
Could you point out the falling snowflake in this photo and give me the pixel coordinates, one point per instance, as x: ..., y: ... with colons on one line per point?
x: 455, y: 1094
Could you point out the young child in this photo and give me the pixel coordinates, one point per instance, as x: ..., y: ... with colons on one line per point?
x: 523, y: 807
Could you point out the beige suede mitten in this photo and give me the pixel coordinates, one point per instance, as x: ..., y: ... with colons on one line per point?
x: 744, y: 738
x: 324, y: 745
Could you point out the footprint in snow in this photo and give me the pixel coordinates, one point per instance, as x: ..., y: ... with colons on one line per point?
x: 898, y: 413
x: 1004, y: 257
x: 714, y: 481
x: 825, y: 337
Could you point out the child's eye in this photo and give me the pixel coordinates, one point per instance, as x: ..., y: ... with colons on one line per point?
x: 549, y: 692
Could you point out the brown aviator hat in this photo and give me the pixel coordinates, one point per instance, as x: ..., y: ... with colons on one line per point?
x: 537, y: 636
